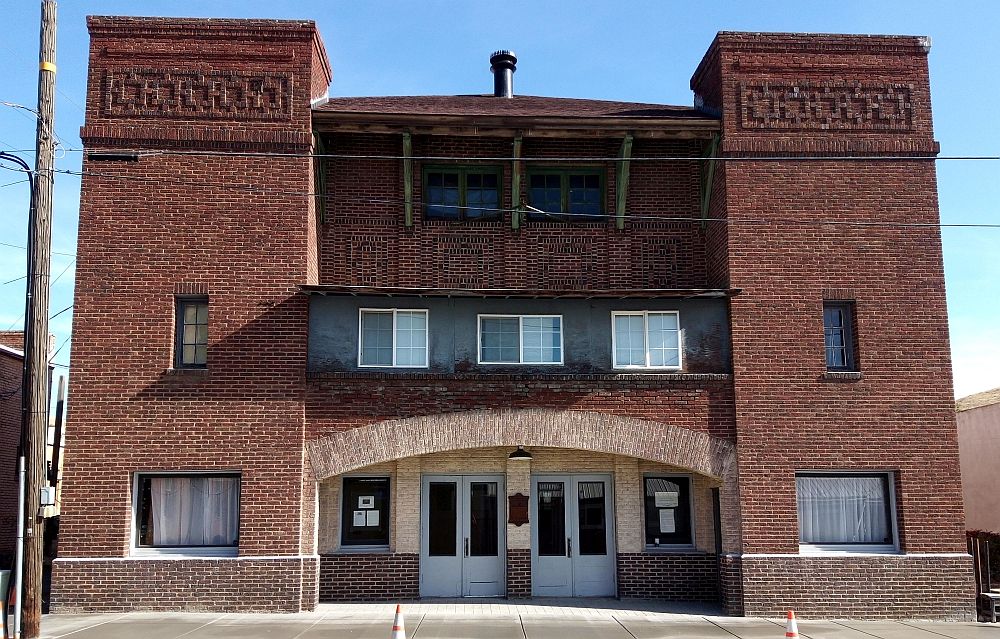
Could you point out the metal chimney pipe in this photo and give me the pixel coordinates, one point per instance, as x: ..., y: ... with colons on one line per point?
x: 503, y: 64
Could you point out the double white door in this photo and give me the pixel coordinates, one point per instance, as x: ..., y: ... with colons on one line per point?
x: 572, y: 536
x: 462, y: 541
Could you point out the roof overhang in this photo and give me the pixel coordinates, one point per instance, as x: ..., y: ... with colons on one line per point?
x: 522, y: 293
x: 509, y: 126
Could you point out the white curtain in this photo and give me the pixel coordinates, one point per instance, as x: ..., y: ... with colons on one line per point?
x: 195, y: 511
x: 842, y: 510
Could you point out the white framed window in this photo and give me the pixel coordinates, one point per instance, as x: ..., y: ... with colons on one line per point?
x: 646, y: 339
x: 846, y: 512
x: 521, y: 339
x: 186, y: 513
x: 392, y: 338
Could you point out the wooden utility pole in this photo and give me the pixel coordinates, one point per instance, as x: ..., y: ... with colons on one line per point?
x: 37, y: 324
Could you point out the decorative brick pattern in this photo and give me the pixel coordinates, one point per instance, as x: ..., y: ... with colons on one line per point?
x: 190, y: 585
x: 689, y: 576
x: 826, y: 106
x: 179, y: 93
x: 369, y: 577
x: 873, y: 587
x: 518, y: 573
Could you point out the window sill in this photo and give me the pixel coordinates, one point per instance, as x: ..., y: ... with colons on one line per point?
x: 186, y: 372
x: 193, y: 552
x: 664, y: 549
x: 361, y: 550
x: 498, y: 376
x: 846, y: 550
x: 842, y: 376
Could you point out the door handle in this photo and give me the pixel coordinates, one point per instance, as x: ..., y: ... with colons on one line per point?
x: 466, y: 546
x: 569, y: 546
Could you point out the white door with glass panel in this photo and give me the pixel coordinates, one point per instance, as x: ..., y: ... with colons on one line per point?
x: 572, y: 536
x: 462, y: 544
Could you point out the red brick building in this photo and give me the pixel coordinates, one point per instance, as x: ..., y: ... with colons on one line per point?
x: 11, y: 367
x: 382, y: 348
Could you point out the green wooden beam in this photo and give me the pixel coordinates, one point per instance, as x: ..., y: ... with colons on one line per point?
x: 621, y: 184
x: 408, y: 179
x: 708, y: 179
x: 515, y: 186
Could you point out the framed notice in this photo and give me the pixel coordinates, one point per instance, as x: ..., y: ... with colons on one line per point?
x: 666, y: 499
x: 366, y: 501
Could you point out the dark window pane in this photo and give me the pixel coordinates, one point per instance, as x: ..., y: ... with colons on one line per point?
x: 481, y: 196
x: 668, y: 510
x: 545, y: 194
x: 442, y: 519
x: 435, y: 179
x: 365, y: 511
x: 593, y: 527
x: 837, y: 336
x: 442, y: 196
x: 483, y: 525
x: 192, y: 333
x: 585, y: 195
x: 551, y: 519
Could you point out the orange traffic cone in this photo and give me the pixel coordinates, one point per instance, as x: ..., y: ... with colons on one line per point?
x: 791, y: 630
x: 398, y: 631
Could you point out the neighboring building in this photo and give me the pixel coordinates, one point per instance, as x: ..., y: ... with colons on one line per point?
x: 303, y: 378
x: 979, y: 451
x: 11, y: 366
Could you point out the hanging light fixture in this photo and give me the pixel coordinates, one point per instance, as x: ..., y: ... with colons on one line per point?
x: 520, y: 455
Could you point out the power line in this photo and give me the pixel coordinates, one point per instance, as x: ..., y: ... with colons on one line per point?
x: 585, y: 216
x: 53, y: 283
x: 25, y: 248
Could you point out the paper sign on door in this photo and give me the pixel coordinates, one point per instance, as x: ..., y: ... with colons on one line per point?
x: 667, y: 524
x: 665, y: 499
x: 359, y: 519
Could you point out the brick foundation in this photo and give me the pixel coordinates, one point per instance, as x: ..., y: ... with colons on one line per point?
x: 518, y: 573
x: 369, y: 576
x: 673, y: 576
x: 731, y: 584
x: 861, y: 587
x: 189, y: 585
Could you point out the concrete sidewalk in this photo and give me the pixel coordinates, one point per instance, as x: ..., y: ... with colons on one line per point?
x: 493, y: 619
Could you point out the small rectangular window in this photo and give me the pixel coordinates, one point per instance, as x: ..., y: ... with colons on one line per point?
x: 461, y: 193
x: 520, y: 339
x: 566, y: 195
x: 191, y: 340
x: 646, y: 339
x: 365, y: 511
x: 188, y: 510
x: 393, y: 338
x: 838, y: 334
x: 668, y: 511
x: 842, y: 510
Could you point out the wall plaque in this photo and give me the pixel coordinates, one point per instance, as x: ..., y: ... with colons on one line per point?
x: 517, y: 509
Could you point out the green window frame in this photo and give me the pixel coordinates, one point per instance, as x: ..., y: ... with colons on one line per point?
x: 462, y: 192
x: 582, y: 194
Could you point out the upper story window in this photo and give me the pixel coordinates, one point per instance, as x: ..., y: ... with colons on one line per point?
x: 520, y: 339
x: 578, y: 192
x: 838, y: 334
x: 461, y: 193
x: 188, y: 511
x: 646, y: 339
x: 845, y: 511
x: 191, y: 340
x: 393, y: 338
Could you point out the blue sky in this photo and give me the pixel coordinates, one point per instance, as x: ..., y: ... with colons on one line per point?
x: 635, y: 51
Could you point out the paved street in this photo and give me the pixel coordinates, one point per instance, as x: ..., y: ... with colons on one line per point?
x: 493, y: 619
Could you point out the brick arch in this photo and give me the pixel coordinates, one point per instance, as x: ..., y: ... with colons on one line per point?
x: 389, y: 440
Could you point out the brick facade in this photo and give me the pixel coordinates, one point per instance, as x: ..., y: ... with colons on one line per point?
x: 671, y: 576
x: 11, y: 364
x: 247, y: 232
x: 369, y: 577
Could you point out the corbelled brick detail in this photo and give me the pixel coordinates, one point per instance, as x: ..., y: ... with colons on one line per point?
x: 518, y: 573
x: 873, y: 587
x: 189, y: 585
x: 687, y: 576
x: 369, y: 576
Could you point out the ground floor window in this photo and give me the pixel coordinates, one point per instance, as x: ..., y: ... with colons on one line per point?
x: 365, y: 512
x: 845, y: 509
x: 188, y: 510
x: 668, y: 511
